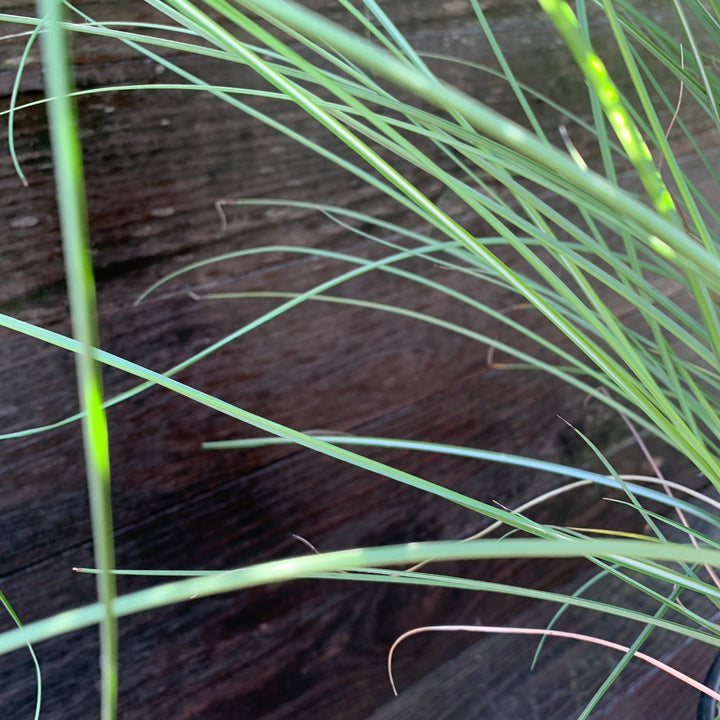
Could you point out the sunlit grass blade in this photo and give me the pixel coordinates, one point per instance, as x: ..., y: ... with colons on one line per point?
x: 595, y: 73
x: 413, y: 577
x: 673, y: 241
x: 360, y: 558
x: 81, y: 288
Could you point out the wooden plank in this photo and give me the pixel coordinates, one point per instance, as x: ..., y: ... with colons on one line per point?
x: 493, y: 678
x: 155, y: 165
x: 302, y: 648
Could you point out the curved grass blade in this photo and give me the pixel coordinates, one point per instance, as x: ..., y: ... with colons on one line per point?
x: 357, y: 559
x: 38, y: 675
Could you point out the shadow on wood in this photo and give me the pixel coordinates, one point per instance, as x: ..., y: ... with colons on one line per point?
x: 156, y: 163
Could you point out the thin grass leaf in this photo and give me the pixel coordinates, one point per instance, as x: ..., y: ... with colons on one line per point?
x: 38, y: 674
x: 357, y: 559
x: 81, y: 288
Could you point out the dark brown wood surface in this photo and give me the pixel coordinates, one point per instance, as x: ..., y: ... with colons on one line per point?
x: 156, y: 162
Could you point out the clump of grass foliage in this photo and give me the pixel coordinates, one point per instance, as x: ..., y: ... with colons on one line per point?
x: 574, y: 268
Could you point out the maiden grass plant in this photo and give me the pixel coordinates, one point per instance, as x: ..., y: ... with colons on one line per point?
x: 580, y: 266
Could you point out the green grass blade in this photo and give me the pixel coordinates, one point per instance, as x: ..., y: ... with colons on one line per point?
x: 38, y: 675
x: 81, y: 289
x: 356, y: 559
x: 627, y: 132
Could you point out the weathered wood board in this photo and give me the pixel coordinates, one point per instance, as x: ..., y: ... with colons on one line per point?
x: 156, y: 162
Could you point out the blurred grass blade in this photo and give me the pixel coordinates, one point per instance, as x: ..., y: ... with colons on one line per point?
x: 597, y: 76
x: 81, y: 289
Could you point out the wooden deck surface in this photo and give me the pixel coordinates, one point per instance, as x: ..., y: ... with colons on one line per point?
x: 156, y: 163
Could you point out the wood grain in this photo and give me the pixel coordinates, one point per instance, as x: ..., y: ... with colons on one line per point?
x: 156, y: 162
